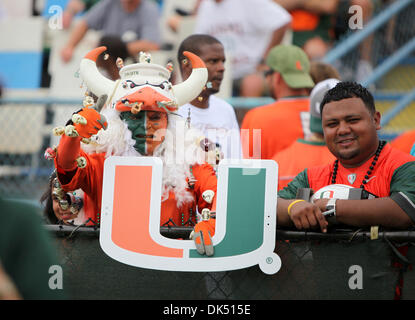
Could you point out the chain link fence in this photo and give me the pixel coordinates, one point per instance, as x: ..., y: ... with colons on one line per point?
x: 25, y: 133
x: 314, y: 266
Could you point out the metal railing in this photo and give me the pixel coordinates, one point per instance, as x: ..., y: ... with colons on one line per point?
x: 354, y: 39
x: 349, y: 44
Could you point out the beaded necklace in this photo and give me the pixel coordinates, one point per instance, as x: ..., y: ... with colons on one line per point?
x: 368, y: 173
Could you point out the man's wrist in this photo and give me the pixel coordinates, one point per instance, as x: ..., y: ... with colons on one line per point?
x: 330, y: 211
x: 330, y: 208
x: 292, y: 204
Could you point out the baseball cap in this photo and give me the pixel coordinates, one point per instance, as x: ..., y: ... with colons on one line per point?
x: 293, y: 65
x: 316, y: 96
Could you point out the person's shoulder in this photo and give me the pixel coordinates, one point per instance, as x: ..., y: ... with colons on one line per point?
x: 264, y: 109
x: 19, y: 212
x: 286, y: 152
x: 215, y: 99
x: 396, y: 157
x: 276, y: 107
x: 401, y: 154
x: 285, y: 105
x: 258, y: 114
x: 320, y: 170
x: 221, y: 103
x: 321, y: 167
x: 293, y: 102
x: 404, y: 142
x: 408, y: 135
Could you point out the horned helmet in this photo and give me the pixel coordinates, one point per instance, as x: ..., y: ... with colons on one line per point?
x: 143, y: 95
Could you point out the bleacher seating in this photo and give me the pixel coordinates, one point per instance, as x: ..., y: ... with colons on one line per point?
x: 17, y: 9
x: 397, y: 82
x: 21, y: 52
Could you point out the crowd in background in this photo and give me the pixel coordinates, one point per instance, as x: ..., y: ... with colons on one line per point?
x: 247, y: 31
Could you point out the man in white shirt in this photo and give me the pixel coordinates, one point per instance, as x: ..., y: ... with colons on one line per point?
x: 248, y: 29
x: 213, y: 116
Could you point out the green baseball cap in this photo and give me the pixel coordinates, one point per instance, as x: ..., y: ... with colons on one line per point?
x: 292, y: 63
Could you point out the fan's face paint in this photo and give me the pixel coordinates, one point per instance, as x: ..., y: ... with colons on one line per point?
x: 148, y: 129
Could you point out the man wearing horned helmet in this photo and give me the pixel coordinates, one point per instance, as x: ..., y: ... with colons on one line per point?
x: 139, y: 120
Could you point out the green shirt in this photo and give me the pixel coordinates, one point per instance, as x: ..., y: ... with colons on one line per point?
x: 26, y: 251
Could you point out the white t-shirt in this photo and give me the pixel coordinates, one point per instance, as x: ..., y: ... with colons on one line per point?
x: 244, y: 27
x: 218, y: 123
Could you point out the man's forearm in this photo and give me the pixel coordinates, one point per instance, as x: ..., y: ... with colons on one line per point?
x: 382, y: 211
x: 75, y: 6
x: 276, y: 39
x: 282, y: 216
x: 77, y: 34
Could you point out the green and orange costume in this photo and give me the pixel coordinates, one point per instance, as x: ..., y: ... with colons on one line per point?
x: 139, y: 120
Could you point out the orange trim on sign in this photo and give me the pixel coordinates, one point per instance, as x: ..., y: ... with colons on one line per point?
x: 131, y: 212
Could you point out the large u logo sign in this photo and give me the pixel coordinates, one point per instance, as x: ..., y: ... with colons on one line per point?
x: 245, y: 219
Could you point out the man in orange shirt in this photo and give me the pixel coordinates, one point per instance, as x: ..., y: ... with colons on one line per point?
x: 309, y: 152
x: 279, y: 124
x: 350, y: 124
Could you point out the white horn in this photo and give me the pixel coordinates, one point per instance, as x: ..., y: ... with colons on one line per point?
x: 95, y: 81
x: 192, y: 86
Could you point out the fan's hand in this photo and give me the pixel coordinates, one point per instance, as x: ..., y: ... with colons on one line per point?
x: 203, y: 233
